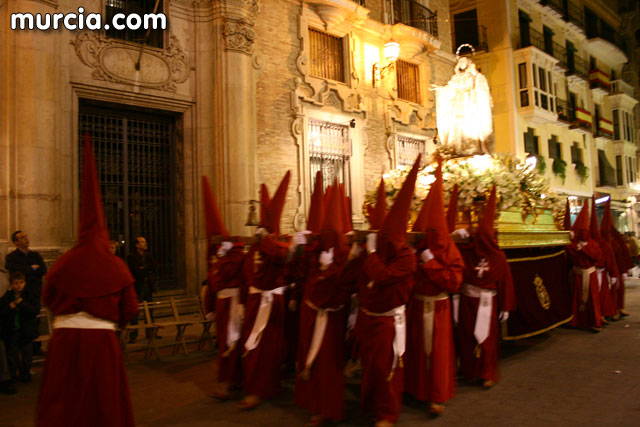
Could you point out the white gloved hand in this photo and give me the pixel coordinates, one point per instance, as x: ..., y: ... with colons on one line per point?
x: 572, y: 235
x: 426, y: 255
x: 297, y: 240
x: 223, y: 249
x: 462, y: 232
x: 504, y: 316
x: 326, y: 258
x: 614, y: 281
x: 210, y: 316
x: 581, y: 245
x: 371, y: 242
x: 241, y: 311
x: 355, y: 250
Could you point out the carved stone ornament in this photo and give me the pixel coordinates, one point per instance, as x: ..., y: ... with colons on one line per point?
x: 114, y: 61
x: 238, y: 35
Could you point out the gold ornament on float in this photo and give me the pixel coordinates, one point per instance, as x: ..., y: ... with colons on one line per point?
x: 543, y: 295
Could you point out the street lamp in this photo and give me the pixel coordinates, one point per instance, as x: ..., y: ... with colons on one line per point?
x: 391, y: 54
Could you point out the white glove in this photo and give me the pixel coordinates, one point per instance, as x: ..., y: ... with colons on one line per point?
x: 371, y: 242
x: 356, y: 249
x: 426, y: 255
x: 297, y: 240
x: 261, y: 232
x: 572, y: 235
x: 241, y: 311
x: 223, y: 249
x: 326, y: 258
x: 210, y: 316
x: 504, y: 316
x: 614, y: 280
x: 581, y: 245
x: 462, y: 232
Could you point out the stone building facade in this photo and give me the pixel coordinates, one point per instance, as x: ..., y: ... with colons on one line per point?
x: 238, y: 90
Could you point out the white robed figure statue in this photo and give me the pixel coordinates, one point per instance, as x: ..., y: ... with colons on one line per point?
x: 463, y: 110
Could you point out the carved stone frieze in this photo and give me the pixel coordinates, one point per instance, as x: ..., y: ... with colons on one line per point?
x: 238, y: 35
x: 114, y: 61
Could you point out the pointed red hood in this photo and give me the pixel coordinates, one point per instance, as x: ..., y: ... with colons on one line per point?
x: 316, y: 207
x: 332, y: 235
x: 276, y: 205
x: 89, y: 270
x: 594, y: 230
x: 436, y: 227
x: 380, y: 209
x: 580, y: 227
x: 392, y: 236
x: 452, y: 209
x: 264, y: 206
x: 213, y: 220
x: 485, y: 226
x: 566, y: 222
x: 606, y: 224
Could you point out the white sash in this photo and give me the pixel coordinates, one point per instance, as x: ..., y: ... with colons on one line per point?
x: 319, y: 329
x: 400, y: 338
x: 428, y: 316
x: 586, y: 276
x: 599, y: 275
x: 266, y: 301
x: 235, y: 322
x: 82, y: 320
x: 485, y: 306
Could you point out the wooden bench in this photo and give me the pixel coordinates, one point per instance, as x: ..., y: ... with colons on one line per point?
x: 45, y: 316
x: 167, y: 310
x: 144, y: 325
x: 191, y: 310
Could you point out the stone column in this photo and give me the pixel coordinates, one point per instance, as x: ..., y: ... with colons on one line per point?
x: 235, y: 110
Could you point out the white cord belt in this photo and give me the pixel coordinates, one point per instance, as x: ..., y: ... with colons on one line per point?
x: 82, y: 320
x: 264, y: 311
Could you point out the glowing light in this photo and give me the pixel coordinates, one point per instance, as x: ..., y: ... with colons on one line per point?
x: 392, y: 51
x: 426, y: 180
x: 543, y: 196
x: 531, y: 161
x: 602, y: 199
x: 481, y: 163
x: 573, y: 197
x: 385, y: 176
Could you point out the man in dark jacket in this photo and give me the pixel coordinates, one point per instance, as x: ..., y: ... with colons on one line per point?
x: 143, y: 269
x: 26, y: 261
x: 19, y: 308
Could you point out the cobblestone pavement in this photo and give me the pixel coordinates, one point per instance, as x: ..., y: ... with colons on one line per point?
x: 564, y: 377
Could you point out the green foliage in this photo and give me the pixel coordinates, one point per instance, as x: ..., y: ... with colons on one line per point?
x: 541, y: 163
x: 582, y: 171
x: 559, y: 168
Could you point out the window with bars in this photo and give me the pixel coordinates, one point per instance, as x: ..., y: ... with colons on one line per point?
x: 408, y: 81
x: 326, y: 56
x: 330, y: 152
x: 139, y: 7
x: 136, y: 164
x: 408, y: 149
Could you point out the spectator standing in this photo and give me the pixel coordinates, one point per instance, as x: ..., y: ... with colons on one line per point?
x: 26, y: 261
x: 19, y: 308
x: 143, y: 269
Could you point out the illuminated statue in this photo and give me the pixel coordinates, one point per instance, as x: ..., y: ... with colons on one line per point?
x: 463, y: 110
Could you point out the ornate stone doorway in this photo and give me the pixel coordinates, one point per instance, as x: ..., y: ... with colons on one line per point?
x: 136, y: 154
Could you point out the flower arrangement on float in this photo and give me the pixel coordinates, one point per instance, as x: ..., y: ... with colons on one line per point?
x: 518, y: 183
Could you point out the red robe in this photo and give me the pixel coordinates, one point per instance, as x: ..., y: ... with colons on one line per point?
x: 432, y: 378
x: 381, y: 387
x: 261, y: 366
x: 225, y: 274
x: 322, y: 392
x: 481, y: 361
x: 624, y: 263
x: 608, y: 297
x: 588, y: 315
x: 84, y: 382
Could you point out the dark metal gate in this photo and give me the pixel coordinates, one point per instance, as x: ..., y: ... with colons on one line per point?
x: 136, y: 158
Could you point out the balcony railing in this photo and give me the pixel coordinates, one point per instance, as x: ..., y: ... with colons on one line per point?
x: 533, y: 38
x: 598, y: 79
x: 413, y: 14
x: 577, y: 66
x: 605, y: 129
x: 581, y: 119
x: 560, y: 53
x: 574, y: 14
x: 565, y: 113
x: 554, y: 4
x: 598, y: 30
x: 622, y: 87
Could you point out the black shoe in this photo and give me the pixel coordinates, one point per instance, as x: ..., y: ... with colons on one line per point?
x: 8, y: 387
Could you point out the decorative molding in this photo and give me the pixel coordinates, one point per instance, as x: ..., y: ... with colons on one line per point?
x: 114, y: 61
x: 332, y: 13
x: 258, y: 62
x: 238, y: 35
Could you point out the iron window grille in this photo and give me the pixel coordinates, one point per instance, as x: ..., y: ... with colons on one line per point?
x: 408, y: 77
x: 408, y: 149
x: 330, y: 152
x: 327, y: 56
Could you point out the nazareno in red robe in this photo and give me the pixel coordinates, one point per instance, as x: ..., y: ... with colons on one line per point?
x: 225, y: 274
x: 84, y: 380
x: 589, y: 314
x: 261, y: 366
x: 321, y: 389
x: 432, y: 379
x: 382, y: 387
x: 481, y: 361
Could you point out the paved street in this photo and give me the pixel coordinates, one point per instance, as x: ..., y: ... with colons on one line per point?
x: 565, y: 377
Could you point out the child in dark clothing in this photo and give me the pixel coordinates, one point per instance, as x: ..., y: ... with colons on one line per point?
x: 18, y: 311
